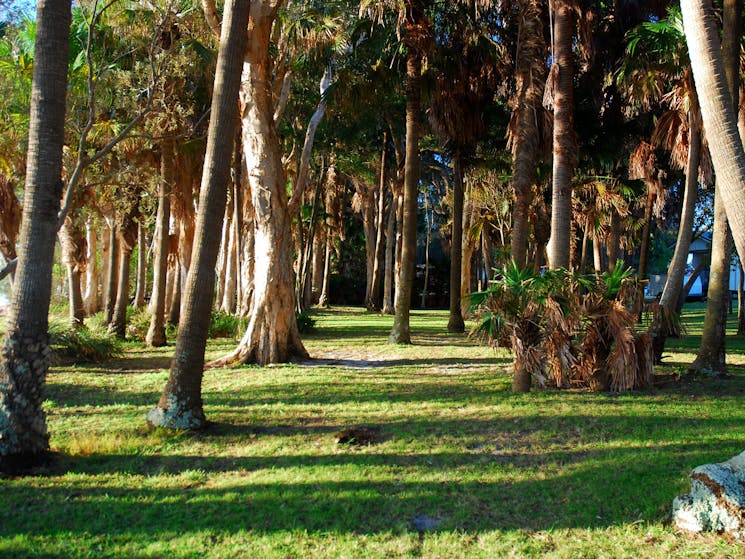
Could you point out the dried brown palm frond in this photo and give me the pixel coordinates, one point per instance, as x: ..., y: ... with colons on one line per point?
x: 643, y: 162
x: 644, y: 361
x: 529, y: 358
x: 672, y: 134
x: 10, y: 217
x: 621, y: 363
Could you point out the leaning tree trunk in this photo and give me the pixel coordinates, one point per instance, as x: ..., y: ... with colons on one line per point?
x: 455, y: 322
x: 530, y: 79
x: 23, y: 433
x: 180, y: 406
x: 377, y: 275
x: 667, y: 319
x: 564, y: 141
x: 401, y: 333
x: 272, y: 335
x: 156, y: 334
x: 717, y: 111
x: 711, y: 354
x: 118, y: 325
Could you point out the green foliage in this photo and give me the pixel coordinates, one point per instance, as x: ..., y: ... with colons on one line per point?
x: 305, y: 322
x: 82, y: 345
x: 225, y: 325
x: 576, y: 330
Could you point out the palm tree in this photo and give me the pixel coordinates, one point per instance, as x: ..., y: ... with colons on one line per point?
x: 565, y: 149
x: 717, y: 110
x: 180, y: 406
x: 23, y: 432
x: 527, y: 118
x: 711, y: 354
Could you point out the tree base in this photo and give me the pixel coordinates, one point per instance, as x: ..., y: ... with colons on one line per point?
x: 176, y: 417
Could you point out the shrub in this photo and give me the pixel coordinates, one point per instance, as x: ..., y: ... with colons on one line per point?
x: 82, y: 345
x: 225, y: 325
x: 305, y: 322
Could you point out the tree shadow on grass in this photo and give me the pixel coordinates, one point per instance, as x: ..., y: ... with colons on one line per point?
x: 357, y: 493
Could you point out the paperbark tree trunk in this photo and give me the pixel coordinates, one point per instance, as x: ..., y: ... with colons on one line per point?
x: 156, y: 334
x: 25, y: 352
x: 92, y: 275
x: 180, y: 406
x: 564, y: 140
x: 272, y: 335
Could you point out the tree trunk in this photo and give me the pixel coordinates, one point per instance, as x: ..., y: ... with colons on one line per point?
x: 23, y: 433
x: 646, y: 235
x: 740, y: 301
x: 156, y: 334
x: 231, y: 268
x: 174, y: 308
x: 223, y: 257
x: 77, y: 309
x: 712, y: 353
x: 455, y: 322
x: 666, y: 325
x: 564, y: 141
x: 272, y: 335
x: 319, y: 242
x: 374, y: 302
x: 139, y: 301
x: 118, y: 325
x: 367, y: 201
x: 247, y: 254
x: 717, y: 111
x: 112, y: 273
x: 72, y: 241
x: 180, y: 406
x: 530, y: 79
x: 92, y: 276
x: 323, y: 299
x: 390, y: 252
x: 400, y: 333
x: 467, y: 249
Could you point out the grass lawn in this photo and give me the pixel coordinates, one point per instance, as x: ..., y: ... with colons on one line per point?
x: 465, y: 468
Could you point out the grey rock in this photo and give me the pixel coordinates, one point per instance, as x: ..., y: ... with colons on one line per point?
x: 716, y: 501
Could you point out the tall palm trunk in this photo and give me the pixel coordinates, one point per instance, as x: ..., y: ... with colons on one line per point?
x: 455, y: 322
x: 180, y: 406
x: 111, y: 274
x: 156, y: 334
x: 92, y: 275
x: 717, y: 111
x: 25, y: 351
x: 666, y: 323
x: 564, y: 141
x: 530, y: 79
x: 377, y: 275
x: 711, y: 354
x: 401, y: 333
x: 272, y: 335
x: 118, y: 325
x: 139, y: 301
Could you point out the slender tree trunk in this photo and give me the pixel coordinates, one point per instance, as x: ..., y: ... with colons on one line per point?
x: 92, y: 276
x: 712, y: 352
x: 319, y: 242
x: 564, y: 141
x: 455, y: 322
x: 323, y: 299
x: 77, y: 309
x: 272, y: 335
x: 247, y: 255
x: 23, y: 433
x: 717, y: 111
x: 139, y: 301
x: 390, y: 251
x: 112, y: 275
x: 231, y: 271
x: 427, y: 241
x: 667, y: 321
x: 613, y: 246
x: 367, y: 201
x: 646, y: 235
x: 740, y: 300
x: 72, y: 240
x: 118, y: 325
x: 156, y: 334
x: 180, y: 406
x: 174, y: 308
x: 374, y: 301
x: 530, y: 79
x: 400, y: 333
x: 222, y: 260
x: 467, y: 250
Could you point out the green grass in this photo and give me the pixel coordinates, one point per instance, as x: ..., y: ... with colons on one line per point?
x: 548, y: 474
